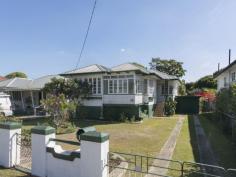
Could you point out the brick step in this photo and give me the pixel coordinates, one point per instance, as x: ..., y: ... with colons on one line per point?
x: 159, y: 110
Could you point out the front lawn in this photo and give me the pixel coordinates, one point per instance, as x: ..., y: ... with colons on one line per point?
x: 146, y: 138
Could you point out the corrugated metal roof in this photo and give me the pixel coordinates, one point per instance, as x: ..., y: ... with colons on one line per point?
x: 26, y: 84
x: 163, y: 75
x: 40, y: 82
x: 88, y: 69
x: 129, y: 67
x: 120, y: 68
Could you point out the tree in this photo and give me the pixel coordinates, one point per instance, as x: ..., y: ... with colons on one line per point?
x: 71, y: 88
x: 171, y: 67
x: 63, y: 96
x: 206, y: 82
x: 16, y: 74
x: 59, y: 108
x: 182, y: 88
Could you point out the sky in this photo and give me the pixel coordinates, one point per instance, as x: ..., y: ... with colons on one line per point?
x: 41, y: 37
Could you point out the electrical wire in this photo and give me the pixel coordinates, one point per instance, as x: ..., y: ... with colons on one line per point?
x: 86, y: 35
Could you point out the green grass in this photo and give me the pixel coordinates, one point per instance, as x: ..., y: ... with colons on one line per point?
x: 11, y: 173
x: 222, y: 145
x: 146, y: 138
x: 186, y: 148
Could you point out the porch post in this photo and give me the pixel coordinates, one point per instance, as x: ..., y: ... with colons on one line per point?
x: 32, y: 100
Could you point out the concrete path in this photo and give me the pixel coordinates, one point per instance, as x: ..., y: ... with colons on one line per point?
x: 205, y: 151
x: 166, y: 151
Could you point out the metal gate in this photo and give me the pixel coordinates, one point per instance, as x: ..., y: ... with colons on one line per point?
x: 24, y: 158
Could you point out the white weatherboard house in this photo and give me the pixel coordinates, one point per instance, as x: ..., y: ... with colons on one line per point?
x: 26, y: 94
x: 129, y: 89
x: 226, y: 76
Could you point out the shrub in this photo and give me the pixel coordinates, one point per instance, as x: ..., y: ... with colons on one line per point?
x: 170, y: 106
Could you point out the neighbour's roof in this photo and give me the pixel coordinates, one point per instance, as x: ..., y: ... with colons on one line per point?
x: 40, y: 82
x: 217, y: 73
x: 120, y: 68
x: 88, y: 69
x: 25, y: 84
x: 2, y: 78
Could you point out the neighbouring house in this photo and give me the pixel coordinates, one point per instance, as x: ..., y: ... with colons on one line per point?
x: 128, y: 89
x: 226, y: 76
x: 26, y: 94
x: 2, y: 78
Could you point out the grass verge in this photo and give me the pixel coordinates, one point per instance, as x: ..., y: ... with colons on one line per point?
x: 222, y: 145
x: 186, y: 148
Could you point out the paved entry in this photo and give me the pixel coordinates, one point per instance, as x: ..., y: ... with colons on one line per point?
x: 24, y: 143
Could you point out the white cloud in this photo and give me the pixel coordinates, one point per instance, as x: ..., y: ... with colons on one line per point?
x: 122, y: 50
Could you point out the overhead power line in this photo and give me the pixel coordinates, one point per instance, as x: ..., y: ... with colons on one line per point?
x: 86, y: 35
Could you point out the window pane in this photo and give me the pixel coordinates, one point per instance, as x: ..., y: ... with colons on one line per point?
x: 145, y: 86
x: 110, y: 86
x: 125, y: 90
x: 115, y: 86
x: 105, y: 86
x: 99, y: 85
x: 120, y: 86
x: 131, y: 86
x: 94, y: 87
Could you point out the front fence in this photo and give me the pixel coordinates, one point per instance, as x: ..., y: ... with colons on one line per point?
x: 132, y: 165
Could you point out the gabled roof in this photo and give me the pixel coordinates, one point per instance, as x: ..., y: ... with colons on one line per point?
x: 217, y: 73
x: 120, y: 68
x: 88, y: 69
x: 25, y: 84
x: 129, y: 67
x: 15, y: 83
x: 39, y: 83
x: 163, y: 75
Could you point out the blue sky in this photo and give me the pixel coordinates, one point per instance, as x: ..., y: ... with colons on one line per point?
x: 41, y: 37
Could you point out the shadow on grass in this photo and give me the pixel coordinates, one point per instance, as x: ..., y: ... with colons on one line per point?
x: 10, y: 172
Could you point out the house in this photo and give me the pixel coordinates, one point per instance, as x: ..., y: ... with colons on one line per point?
x: 2, y: 78
x: 26, y: 94
x: 129, y: 89
x: 226, y: 76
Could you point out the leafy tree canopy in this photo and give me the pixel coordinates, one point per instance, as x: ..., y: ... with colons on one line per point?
x: 16, y: 74
x: 71, y: 88
x: 171, y: 67
x: 206, y: 82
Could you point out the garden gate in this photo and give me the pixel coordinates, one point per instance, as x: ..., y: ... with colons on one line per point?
x: 23, y: 142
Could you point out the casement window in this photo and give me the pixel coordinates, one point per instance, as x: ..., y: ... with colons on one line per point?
x: 121, y: 84
x: 99, y: 86
x: 105, y: 86
x: 110, y: 86
x: 125, y: 86
x: 95, y: 84
x: 164, y: 88
x: 131, y: 86
x: 145, y: 84
x: 139, y: 86
x: 120, y: 90
x: 233, y: 76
